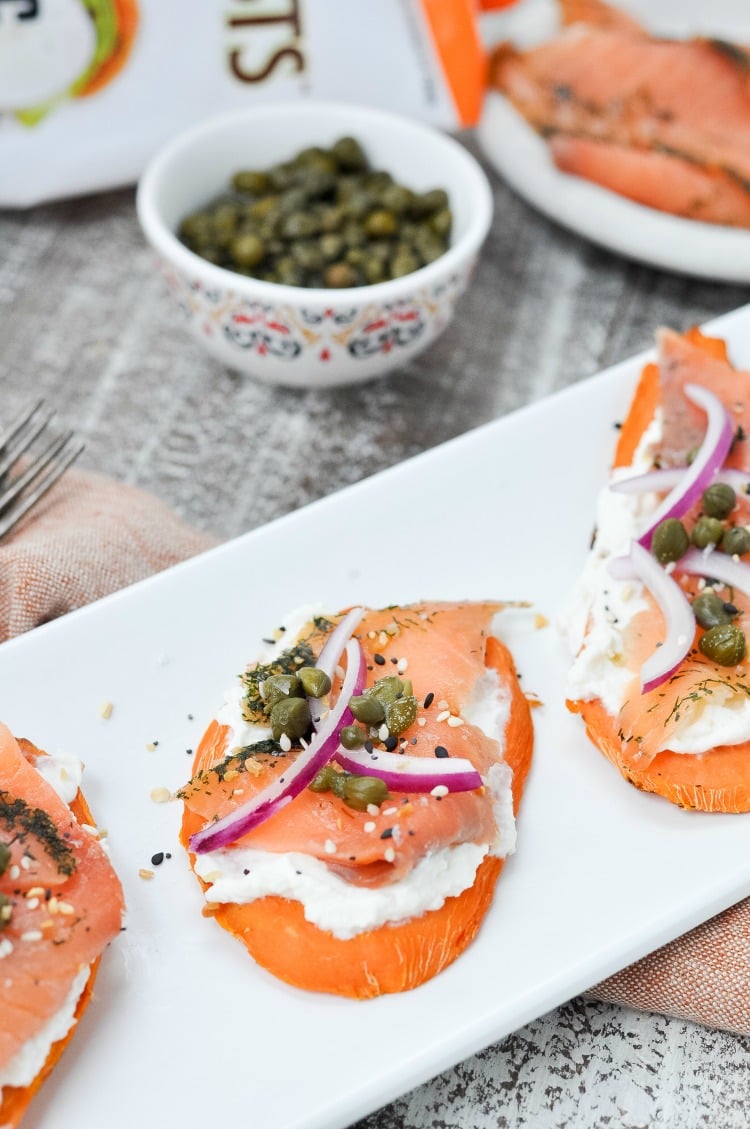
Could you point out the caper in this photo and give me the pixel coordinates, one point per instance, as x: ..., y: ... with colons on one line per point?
x: 427, y: 203
x: 718, y: 500
x: 378, y: 181
x: 307, y: 255
x: 315, y: 682
x: 288, y: 272
x: 331, y: 219
x: 441, y: 222
x: 354, y: 235
x: 339, y: 275
x: 736, y: 541
x: 367, y: 709
x: 331, y: 245
x: 247, y: 180
x: 387, y: 689
x: 723, y: 644
x: 279, y: 687
x: 710, y: 610
x: 281, y: 176
x: 349, y: 154
x: 300, y: 225
x: 361, y: 791
x: 359, y: 204
x: 381, y: 224
x: 374, y: 271
x: 292, y: 717
x: 323, y: 780
x: 294, y: 200
x: 352, y: 737
x: 317, y: 182
x: 5, y: 856
x: 198, y: 228
x: 262, y: 209
x: 404, y: 262
x: 396, y: 198
x: 707, y: 531
x: 670, y: 540
x: 5, y: 902
x: 399, y: 715
x: 247, y: 250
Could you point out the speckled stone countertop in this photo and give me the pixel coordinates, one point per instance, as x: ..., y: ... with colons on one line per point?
x: 87, y: 322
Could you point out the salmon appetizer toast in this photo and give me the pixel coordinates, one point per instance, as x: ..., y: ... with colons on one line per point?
x: 662, y: 675
x: 60, y: 906
x: 354, y: 800
x: 663, y: 122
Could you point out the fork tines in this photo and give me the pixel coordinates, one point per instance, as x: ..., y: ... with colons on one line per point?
x: 20, y: 491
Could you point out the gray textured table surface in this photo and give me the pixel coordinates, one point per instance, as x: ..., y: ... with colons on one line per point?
x: 87, y: 322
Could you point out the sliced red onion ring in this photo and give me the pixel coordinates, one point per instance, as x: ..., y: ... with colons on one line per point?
x: 306, y: 765
x: 706, y: 562
x: 710, y: 457
x: 404, y: 773
x: 328, y: 658
x: 666, y: 478
x: 678, y: 618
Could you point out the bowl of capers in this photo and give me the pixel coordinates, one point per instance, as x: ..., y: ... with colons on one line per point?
x: 313, y: 244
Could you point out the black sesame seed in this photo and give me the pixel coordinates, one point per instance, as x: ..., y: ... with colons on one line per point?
x: 429, y: 700
x: 157, y: 859
x: 270, y: 642
x: 617, y: 426
x: 441, y: 751
x: 190, y: 717
x: 387, y: 834
x: 391, y: 743
x: 246, y: 871
x: 369, y: 746
x: 394, y: 661
x: 189, y: 752
x: 379, y: 660
x: 167, y: 855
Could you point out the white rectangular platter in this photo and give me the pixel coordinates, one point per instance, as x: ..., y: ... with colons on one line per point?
x: 185, y: 1030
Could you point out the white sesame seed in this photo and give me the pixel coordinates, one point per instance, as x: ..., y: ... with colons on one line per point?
x: 384, y: 732
x: 213, y: 876
x: 389, y: 855
x: 702, y: 583
x: 443, y: 716
x: 421, y: 721
x: 66, y: 909
x: 32, y: 903
x: 25, y: 862
x: 6, y: 948
x: 454, y: 721
x: 382, y: 638
x: 15, y: 871
x: 669, y: 567
x: 439, y: 790
x: 402, y: 665
x: 390, y: 811
x: 32, y: 935
x: 150, y: 747
x: 285, y: 742
x: 35, y: 892
x: 161, y: 795
x: 329, y: 847
x: 373, y: 809
x: 6, y: 912
x: 105, y: 710
x: 371, y: 634
x: 443, y: 705
x: 369, y: 826
x: 145, y: 874
x: 52, y: 905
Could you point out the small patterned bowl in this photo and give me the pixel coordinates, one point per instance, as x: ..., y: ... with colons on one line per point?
x: 312, y: 337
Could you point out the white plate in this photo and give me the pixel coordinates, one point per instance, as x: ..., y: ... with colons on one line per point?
x: 523, y: 158
x: 185, y: 1030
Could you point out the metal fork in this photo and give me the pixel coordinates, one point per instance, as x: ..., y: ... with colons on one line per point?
x: 22, y: 490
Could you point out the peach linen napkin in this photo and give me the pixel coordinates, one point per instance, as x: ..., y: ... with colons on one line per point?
x: 91, y: 536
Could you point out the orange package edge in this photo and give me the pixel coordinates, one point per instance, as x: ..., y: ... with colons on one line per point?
x: 453, y: 26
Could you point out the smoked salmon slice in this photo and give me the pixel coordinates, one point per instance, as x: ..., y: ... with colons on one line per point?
x: 687, y: 739
x: 60, y: 905
x: 467, y: 705
x: 664, y: 122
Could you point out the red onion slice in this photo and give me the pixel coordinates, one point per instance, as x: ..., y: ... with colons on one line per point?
x: 706, y: 562
x: 404, y: 773
x: 300, y: 773
x: 678, y: 618
x: 328, y: 658
x: 666, y: 478
x: 710, y: 457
